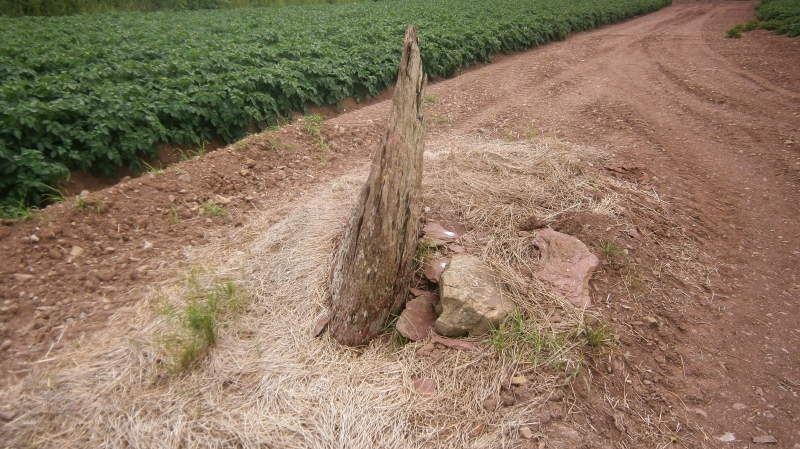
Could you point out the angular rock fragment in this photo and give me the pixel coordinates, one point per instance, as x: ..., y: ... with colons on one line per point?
x: 418, y: 317
x: 433, y: 269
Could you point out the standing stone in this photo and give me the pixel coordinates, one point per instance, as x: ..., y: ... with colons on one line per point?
x: 373, y: 264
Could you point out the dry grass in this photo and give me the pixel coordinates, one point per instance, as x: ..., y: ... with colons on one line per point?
x: 267, y: 383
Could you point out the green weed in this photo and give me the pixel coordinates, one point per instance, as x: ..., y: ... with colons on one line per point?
x: 21, y: 210
x: 155, y: 171
x: 172, y: 215
x: 517, y: 337
x: 611, y: 250
x: 83, y: 204
x: 215, y: 210
x: 188, y: 155
x: 594, y: 333
x: 425, y: 250
x: 431, y: 99
x: 441, y: 120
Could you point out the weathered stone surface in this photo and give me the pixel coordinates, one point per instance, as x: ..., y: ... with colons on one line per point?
x: 567, y: 266
x: 470, y: 298
x: 418, y: 317
x: 374, y: 262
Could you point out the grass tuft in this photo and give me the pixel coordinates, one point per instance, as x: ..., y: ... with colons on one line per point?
x: 215, y: 210
x: 193, y: 324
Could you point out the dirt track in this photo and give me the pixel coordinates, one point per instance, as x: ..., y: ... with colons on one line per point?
x: 714, y: 123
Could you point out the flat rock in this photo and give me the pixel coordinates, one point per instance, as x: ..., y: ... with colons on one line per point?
x: 765, y: 439
x: 460, y: 345
x: 436, y: 231
x: 470, y: 298
x: 417, y: 319
x: 425, y: 387
x: 567, y: 266
x: 526, y: 433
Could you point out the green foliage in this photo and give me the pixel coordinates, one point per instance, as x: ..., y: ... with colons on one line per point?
x: 196, y: 319
x: 18, y: 8
x: 783, y: 16
x: 735, y: 32
x: 96, y: 92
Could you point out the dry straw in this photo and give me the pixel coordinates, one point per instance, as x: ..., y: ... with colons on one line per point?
x: 267, y: 383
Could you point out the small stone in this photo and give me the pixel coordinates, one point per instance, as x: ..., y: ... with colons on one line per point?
x: 652, y: 322
x: 5, y: 345
x: 20, y: 277
x: 726, y: 437
x: 148, y: 245
x: 76, y: 251
x: 8, y: 415
x: 109, y: 249
x: 765, y: 439
x: 82, y: 315
x: 244, y: 172
x: 519, y: 380
x: 171, y: 198
x: 490, y: 405
x: 34, y: 238
x: 84, y: 193
x: 739, y: 406
x: 185, y: 177
x: 526, y: 433
x: 425, y: 387
x: 322, y: 323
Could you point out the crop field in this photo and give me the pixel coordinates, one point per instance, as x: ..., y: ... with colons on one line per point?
x: 95, y: 92
x: 783, y: 16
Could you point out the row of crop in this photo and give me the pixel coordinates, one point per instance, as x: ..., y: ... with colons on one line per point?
x: 20, y: 8
x: 97, y: 92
